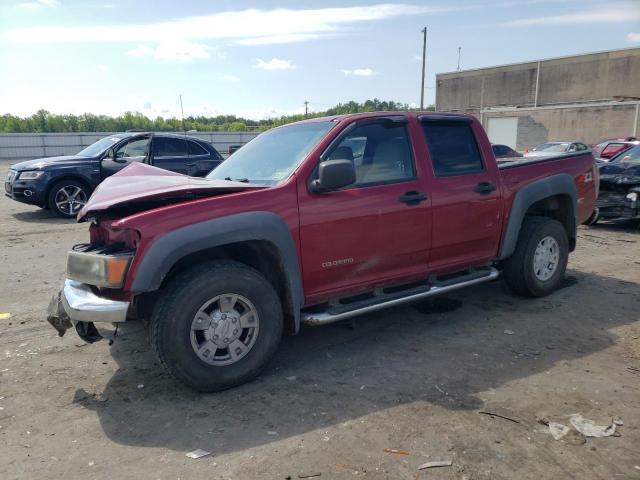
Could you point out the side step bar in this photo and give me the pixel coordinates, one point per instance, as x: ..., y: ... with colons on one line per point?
x: 342, y: 313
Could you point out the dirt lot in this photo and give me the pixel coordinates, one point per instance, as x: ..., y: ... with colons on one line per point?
x: 414, y: 378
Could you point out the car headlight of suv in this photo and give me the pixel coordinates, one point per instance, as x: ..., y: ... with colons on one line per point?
x: 31, y: 175
x: 99, y: 270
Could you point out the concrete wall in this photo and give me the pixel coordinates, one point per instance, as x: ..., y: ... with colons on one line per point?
x: 583, y: 97
x: 24, y: 146
x: 587, y: 124
x: 581, y: 78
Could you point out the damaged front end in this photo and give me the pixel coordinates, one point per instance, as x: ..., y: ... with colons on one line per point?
x: 619, y: 191
x: 86, y: 302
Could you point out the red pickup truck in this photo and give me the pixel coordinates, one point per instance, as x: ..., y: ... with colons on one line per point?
x: 313, y: 223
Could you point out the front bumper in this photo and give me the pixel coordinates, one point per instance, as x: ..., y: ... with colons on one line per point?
x: 31, y: 192
x: 76, y: 305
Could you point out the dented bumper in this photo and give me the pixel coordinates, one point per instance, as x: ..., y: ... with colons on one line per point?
x: 76, y: 305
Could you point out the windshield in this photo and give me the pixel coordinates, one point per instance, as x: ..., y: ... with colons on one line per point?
x: 97, y: 148
x: 552, y: 147
x: 273, y: 155
x: 629, y: 156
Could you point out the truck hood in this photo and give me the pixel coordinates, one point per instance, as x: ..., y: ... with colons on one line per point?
x: 39, y: 163
x: 141, y: 187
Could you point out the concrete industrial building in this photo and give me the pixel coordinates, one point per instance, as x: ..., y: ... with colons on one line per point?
x: 582, y: 97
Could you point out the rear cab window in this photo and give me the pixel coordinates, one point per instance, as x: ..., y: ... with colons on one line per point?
x: 453, y: 148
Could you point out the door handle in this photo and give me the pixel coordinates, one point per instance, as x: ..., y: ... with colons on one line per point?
x: 484, y: 188
x: 412, y: 197
x: 189, y: 164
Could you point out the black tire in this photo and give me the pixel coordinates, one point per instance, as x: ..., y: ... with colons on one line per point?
x: 74, y: 208
x: 518, y: 270
x: 171, y: 321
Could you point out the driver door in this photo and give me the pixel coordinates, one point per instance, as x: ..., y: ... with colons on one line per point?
x: 133, y: 150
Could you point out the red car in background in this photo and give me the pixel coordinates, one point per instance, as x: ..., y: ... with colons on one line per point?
x: 606, y: 149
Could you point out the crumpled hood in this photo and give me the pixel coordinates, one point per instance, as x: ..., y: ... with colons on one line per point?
x: 140, y: 182
x: 39, y: 163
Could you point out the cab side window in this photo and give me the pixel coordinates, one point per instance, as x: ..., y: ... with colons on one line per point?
x: 380, y: 152
x: 453, y: 148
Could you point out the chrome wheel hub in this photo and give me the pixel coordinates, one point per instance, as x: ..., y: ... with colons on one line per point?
x: 70, y: 199
x: 224, y: 330
x: 546, y: 258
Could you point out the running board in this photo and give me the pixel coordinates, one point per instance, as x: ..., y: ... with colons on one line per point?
x: 342, y: 312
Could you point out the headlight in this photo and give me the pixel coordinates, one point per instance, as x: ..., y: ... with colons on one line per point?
x: 99, y: 270
x: 633, y: 196
x: 32, y: 175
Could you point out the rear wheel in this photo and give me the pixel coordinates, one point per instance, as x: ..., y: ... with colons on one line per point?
x: 67, y: 197
x: 217, y: 325
x: 539, y: 261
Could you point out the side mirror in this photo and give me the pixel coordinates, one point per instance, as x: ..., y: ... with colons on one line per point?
x: 334, y: 174
x: 110, y: 154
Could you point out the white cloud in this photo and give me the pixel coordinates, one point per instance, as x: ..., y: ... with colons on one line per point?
x: 633, y: 37
x: 39, y: 3
x: 180, y: 50
x: 102, y: 68
x: 231, y: 78
x: 252, y: 26
x: 274, y: 64
x: 275, y: 39
x: 359, y: 72
x: 597, y: 15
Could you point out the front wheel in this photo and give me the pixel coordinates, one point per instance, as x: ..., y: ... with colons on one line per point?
x: 217, y: 325
x: 67, y: 197
x: 539, y: 261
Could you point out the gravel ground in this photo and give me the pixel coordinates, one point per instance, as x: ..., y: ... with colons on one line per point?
x: 414, y: 378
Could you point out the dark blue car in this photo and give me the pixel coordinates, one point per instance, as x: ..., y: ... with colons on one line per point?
x: 64, y: 184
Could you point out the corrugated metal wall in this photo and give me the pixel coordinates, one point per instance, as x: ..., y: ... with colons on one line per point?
x: 25, y: 146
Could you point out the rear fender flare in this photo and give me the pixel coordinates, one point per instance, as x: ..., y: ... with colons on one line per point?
x: 166, y: 251
x: 560, y: 184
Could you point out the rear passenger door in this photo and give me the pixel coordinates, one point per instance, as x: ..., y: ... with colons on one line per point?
x: 466, y: 200
x: 203, y: 161
x: 170, y: 153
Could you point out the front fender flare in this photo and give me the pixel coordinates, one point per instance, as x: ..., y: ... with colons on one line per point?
x: 167, y: 250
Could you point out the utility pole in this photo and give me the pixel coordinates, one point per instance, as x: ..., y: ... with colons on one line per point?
x: 424, y: 60
x: 306, y: 108
x: 459, y: 49
x: 182, y: 112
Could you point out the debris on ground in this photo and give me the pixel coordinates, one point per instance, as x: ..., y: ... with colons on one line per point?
x: 5, y: 316
x: 198, y: 453
x: 588, y: 427
x: 309, y: 475
x: 341, y: 465
x: 558, y: 430
x: 508, y: 332
x: 396, y: 451
x: 436, y: 463
x: 491, y: 414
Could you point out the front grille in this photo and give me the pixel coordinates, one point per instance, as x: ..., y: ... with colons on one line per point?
x: 100, y: 248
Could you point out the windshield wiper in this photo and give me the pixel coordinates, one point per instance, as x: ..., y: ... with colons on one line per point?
x: 243, y: 180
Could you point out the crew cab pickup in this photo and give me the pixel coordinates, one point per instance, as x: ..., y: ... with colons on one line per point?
x: 312, y: 223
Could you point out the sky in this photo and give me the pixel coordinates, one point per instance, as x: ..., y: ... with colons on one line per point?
x: 264, y: 59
